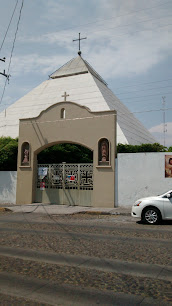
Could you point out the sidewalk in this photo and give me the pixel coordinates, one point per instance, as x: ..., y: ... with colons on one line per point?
x: 64, y: 209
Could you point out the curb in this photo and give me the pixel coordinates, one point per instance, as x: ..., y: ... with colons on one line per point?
x: 103, y: 213
x: 4, y: 209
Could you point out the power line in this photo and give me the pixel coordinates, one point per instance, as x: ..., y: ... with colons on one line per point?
x: 152, y: 110
x: 118, y: 112
x: 142, y: 31
x: 128, y: 33
x: 107, y: 29
x: 147, y: 83
x: 117, y: 101
x: 128, y: 120
x: 126, y: 25
x: 141, y: 101
x: 144, y: 133
x: 141, y: 129
x: 9, y: 25
x: 129, y: 13
x: 3, y: 73
x: 128, y: 92
x: 139, y: 31
x: 138, y: 136
x: 119, y: 26
x: 15, y: 36
x: 167, y: 93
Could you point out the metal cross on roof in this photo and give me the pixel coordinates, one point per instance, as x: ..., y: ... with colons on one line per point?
x: 65, y: 95
x: 79, y: 52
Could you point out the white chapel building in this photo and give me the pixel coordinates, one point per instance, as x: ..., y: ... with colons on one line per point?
x: 78, y: 82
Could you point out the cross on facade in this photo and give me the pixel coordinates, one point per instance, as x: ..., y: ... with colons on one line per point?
x: 79, y: 52
x: 65, y: 95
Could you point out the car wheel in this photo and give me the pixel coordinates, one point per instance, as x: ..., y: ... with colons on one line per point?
x: 151, y: 215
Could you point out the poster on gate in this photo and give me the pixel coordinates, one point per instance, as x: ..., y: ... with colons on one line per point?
x: 56, y: 177
x: 42, y: 185
x: 42, y: 172
x: 71, y: 178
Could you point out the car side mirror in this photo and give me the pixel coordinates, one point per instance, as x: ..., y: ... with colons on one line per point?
x: 168, y: 195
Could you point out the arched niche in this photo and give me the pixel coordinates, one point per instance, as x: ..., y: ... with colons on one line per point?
x: 103, y: 152
x: 25, y: 154
x: 63, y: 113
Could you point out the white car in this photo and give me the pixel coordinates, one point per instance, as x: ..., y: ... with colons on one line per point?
x: 153, y: 209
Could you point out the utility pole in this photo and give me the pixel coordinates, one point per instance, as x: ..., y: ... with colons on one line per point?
x: 164, y: 123
x: 3, y: 73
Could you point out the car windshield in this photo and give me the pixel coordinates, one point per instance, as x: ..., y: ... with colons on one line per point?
x: 164, y: 195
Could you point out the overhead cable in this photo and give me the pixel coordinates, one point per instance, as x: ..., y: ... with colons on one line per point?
x: 140, y: 84
x: 129, y: 13
x: 15, y: 36
x: 9, y: 25
x: 128, y: 92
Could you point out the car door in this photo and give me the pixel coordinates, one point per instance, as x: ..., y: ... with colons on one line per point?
x: 168, y: 207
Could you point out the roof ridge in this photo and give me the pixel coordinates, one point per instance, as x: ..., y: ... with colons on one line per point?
x: 61, y: 67
x: 95, y: 72
x: 75, y: 66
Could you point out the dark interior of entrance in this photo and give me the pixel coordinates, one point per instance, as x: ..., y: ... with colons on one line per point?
x: 65, y: 152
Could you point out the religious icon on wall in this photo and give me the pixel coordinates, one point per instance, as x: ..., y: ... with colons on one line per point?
x: 25, y: 153
x: 103, y: 152
x: 168, y: 165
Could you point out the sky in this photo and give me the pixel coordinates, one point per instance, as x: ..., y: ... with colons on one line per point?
x: 129, y: 43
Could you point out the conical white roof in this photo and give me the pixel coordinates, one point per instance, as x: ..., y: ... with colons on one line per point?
x: 85, y: 87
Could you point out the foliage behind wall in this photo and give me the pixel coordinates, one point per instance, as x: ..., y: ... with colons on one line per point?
x: 145, y: 147
x: 71, y: 153
x: 8, y: 154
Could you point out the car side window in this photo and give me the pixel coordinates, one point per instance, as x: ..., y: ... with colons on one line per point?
x: 169, y: 197
x: 170, y: 193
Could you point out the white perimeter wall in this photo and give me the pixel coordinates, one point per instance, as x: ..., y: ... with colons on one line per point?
x: 140, y: 175
x: 137, y: 175
x: 8, y: 182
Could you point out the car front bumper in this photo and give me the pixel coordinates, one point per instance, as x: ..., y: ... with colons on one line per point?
x: 136, y: 212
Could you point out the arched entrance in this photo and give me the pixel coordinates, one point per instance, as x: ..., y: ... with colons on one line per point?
x: 65, y: 175
x: 94, y: 130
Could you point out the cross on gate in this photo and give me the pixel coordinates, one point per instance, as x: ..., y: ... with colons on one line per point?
x: 86, y: 177
x: 65, y: 95
x: 79, y: 52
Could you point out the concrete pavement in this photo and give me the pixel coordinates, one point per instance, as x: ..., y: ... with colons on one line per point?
x: 65, y: 209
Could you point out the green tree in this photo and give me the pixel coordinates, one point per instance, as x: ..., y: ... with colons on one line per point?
x: 65, y: 152
x: 145, y: 147
x: 8, y: 154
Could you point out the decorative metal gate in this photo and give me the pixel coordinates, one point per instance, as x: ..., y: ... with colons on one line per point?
x: 69, y: 184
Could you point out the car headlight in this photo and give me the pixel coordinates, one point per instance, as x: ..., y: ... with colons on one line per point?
x: 137, y: 203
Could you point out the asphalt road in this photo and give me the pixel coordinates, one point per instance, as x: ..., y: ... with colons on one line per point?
x: 84, y: 259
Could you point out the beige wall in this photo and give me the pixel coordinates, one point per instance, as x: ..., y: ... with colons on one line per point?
x: 79, y: 126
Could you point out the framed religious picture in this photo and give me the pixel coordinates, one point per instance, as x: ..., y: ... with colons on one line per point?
x: 25, y: 154
x: 103, y: 149
x: 168, y: 166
